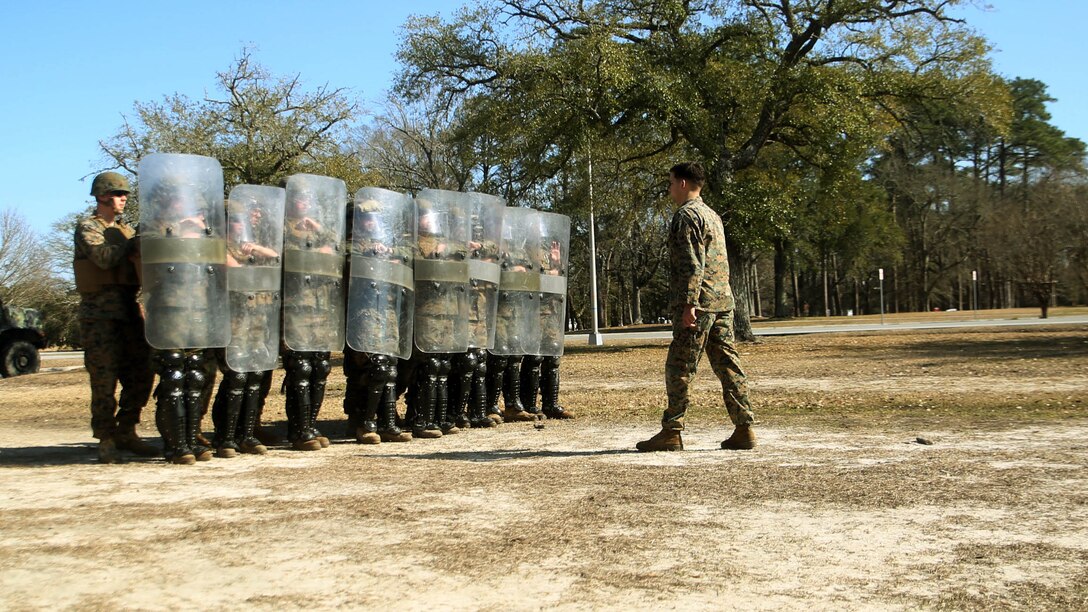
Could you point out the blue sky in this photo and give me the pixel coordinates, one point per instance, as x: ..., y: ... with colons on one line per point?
x: 71, y: 69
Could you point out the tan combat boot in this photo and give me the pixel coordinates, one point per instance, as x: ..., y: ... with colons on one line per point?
x: 513, y: 415
x: 664, y: 440
x: 107, y: 451
x: 252, y: 447
x: 743, y: 438
x: 389, y: 435
x: 128, y: 439
x: 362, y: 436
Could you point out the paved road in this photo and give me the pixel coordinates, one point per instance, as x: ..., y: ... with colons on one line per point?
x: 785, y: 330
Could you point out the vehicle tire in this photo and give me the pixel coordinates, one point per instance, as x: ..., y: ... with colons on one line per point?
x: 19, y: 357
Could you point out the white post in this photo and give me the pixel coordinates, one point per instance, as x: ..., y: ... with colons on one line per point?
x: 880, y: 274
x: 595, y: 338
x: 974, y: 292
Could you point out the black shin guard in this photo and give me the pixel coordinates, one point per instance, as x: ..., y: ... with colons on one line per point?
x: 530, y: 383
x: 227, y: 408
x: 195, y: 378
x: 496, y: 367
x: 477, y: 398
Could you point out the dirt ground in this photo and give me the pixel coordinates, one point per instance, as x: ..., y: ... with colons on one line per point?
x: 934, y: 470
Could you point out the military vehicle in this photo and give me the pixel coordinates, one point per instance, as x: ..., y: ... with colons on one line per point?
x: 20, y: 339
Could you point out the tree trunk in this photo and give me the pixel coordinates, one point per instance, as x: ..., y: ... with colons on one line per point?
x: 781, y: 309
x: 636, y: 306
x: 741, y: 284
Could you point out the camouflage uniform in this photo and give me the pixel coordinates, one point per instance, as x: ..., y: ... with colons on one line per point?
x: 540, y: 373
x: 307, y: 371
x: 111, y: 326
x: 370, y: 393
x: 467, y: 399
x: 699, y: 275
x: 186, y: 375
x: 238, y: 401
x: 428, y: 391
x: 504, y: 364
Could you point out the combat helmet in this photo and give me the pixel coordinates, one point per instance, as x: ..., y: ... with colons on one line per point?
x: 108, y: 182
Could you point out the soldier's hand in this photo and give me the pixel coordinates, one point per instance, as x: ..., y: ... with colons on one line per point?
x: 688, y: 318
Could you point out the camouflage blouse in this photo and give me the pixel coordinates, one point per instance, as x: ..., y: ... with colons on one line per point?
x: 699, y: 270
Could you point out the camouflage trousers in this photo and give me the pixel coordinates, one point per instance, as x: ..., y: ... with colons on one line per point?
x: 116, y: 351
x: 713, y: 333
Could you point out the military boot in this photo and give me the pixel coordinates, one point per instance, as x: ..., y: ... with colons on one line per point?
x: 664, y: 440
x: 743, y: 438
x: 387, y: 427
x: 549, y: 391
x: 367, y: 431
x: 297, y: 406
x: 444, y: 417
x: 107, y: 451
x: 321, y: 369
x: 251, y: 412
x: 477, y: 401
x: 180, y: 452
x: 530, y: 385
x: 225, y: 413
x: 493, y: 387
x: 127, y: 439
x: 423, y: 423
x: 511, y: 394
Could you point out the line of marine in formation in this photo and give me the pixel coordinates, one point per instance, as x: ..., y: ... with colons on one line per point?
x: 451, y: 299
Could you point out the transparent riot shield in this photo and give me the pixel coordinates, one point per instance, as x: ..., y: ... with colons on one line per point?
x: 313, y: 263
x: 552, y: 256
x: 441, y: 272
x: 183, y: 251
x: 517, y: 319
x: 254, y: 265
x: 381, y: 293
x: 485, y: 215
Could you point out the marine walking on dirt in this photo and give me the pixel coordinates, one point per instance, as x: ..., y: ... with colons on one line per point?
x: 702, y: 306
x: 110, y: 322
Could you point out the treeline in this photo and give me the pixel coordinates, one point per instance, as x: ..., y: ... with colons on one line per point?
x: 840, y: 139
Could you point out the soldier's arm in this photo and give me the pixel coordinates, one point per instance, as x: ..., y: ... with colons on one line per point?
x: 105, y: 247
x: 690, y: 255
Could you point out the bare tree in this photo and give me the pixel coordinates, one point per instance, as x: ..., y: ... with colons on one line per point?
x: 25, y: 278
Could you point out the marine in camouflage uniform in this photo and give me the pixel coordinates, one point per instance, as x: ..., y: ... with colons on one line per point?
x: 307, y: 371
x: 702, y: 308
x: 236, y: 411
x: 438, y: 305
x: 540, y: 373
x: 370, y: 394
x: 182, y: 309
x: 467, y: 396
x: 110, y: 322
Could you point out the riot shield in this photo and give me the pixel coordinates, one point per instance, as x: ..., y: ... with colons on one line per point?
x: 485, y: 214
x: 313, y: 263
x: 381, y: 294
x: 517, y: 319
x: 183, y: 251
x: 254, y: 264
x: 552, y: 256
x: 441, y: 272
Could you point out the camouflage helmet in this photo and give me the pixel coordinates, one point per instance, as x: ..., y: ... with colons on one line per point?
x: 108, y: 182
x: 369, y: 206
